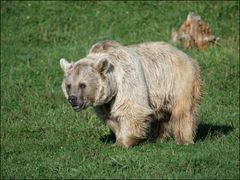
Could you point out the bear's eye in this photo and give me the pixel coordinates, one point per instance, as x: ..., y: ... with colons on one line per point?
x: 82, y: 85
x: 68, y: 86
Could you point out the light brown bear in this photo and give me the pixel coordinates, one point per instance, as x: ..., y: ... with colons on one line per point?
x: 140, y: 91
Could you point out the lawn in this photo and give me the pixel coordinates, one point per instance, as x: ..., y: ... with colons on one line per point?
x: 41, y: 136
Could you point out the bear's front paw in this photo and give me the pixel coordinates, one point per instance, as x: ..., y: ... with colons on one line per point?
x: 126, y: 142
x: 119, y: 144
x: 115, y: 144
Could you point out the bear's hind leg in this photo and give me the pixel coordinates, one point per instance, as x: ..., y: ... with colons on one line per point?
x: 183, y: 125
x: 164, y: 130
x: 159, y: 129
x: 164, y: 126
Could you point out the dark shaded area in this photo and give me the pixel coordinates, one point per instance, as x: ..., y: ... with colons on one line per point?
x: 109, y: 138
x: 212, y: 131
x: 203, y: 131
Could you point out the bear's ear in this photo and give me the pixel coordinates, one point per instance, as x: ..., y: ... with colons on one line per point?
x: 65, y: 65
x: 104, y: 66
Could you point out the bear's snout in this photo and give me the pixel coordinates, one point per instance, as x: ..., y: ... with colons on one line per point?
x: 77, y: 106
x: 73, y: 100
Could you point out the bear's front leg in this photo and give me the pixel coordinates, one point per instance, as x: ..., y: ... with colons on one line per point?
x: 114, y: 126
x: 132, y: 132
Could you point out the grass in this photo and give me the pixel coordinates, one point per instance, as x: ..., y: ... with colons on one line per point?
x: 41, y: 137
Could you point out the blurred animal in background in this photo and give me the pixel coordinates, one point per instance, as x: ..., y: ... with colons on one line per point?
x: 194, y: 32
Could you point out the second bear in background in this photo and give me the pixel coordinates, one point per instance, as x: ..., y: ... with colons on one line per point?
x: 194, y: 32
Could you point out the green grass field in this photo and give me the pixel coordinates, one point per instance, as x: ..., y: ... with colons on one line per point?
x: 41, y: 136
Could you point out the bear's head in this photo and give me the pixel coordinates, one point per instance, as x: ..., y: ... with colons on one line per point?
x: 88, y: 82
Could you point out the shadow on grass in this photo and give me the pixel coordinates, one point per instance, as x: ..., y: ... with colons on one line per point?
x: 212, y: 131
x: 203, y: 131
x: 109, y: 138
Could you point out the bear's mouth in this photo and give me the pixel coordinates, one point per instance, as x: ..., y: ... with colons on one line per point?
x: 78, y: 106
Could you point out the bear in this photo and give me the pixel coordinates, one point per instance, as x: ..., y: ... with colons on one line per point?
x: 194, y: 32
x: 140, y: 91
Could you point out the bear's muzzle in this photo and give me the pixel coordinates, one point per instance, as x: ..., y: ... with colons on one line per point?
x: 74, y: 103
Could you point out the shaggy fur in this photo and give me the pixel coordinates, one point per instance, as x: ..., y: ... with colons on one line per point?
x: 140, y: 91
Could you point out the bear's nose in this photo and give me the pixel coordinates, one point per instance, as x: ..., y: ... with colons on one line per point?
x: 72, y: 100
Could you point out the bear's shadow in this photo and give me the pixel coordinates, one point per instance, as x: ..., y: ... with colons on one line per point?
x: 109, y: 138
x: 212, y: 131
x: 203, y: 131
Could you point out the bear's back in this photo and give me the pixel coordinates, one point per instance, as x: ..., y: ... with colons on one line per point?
x: 167, y: 70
